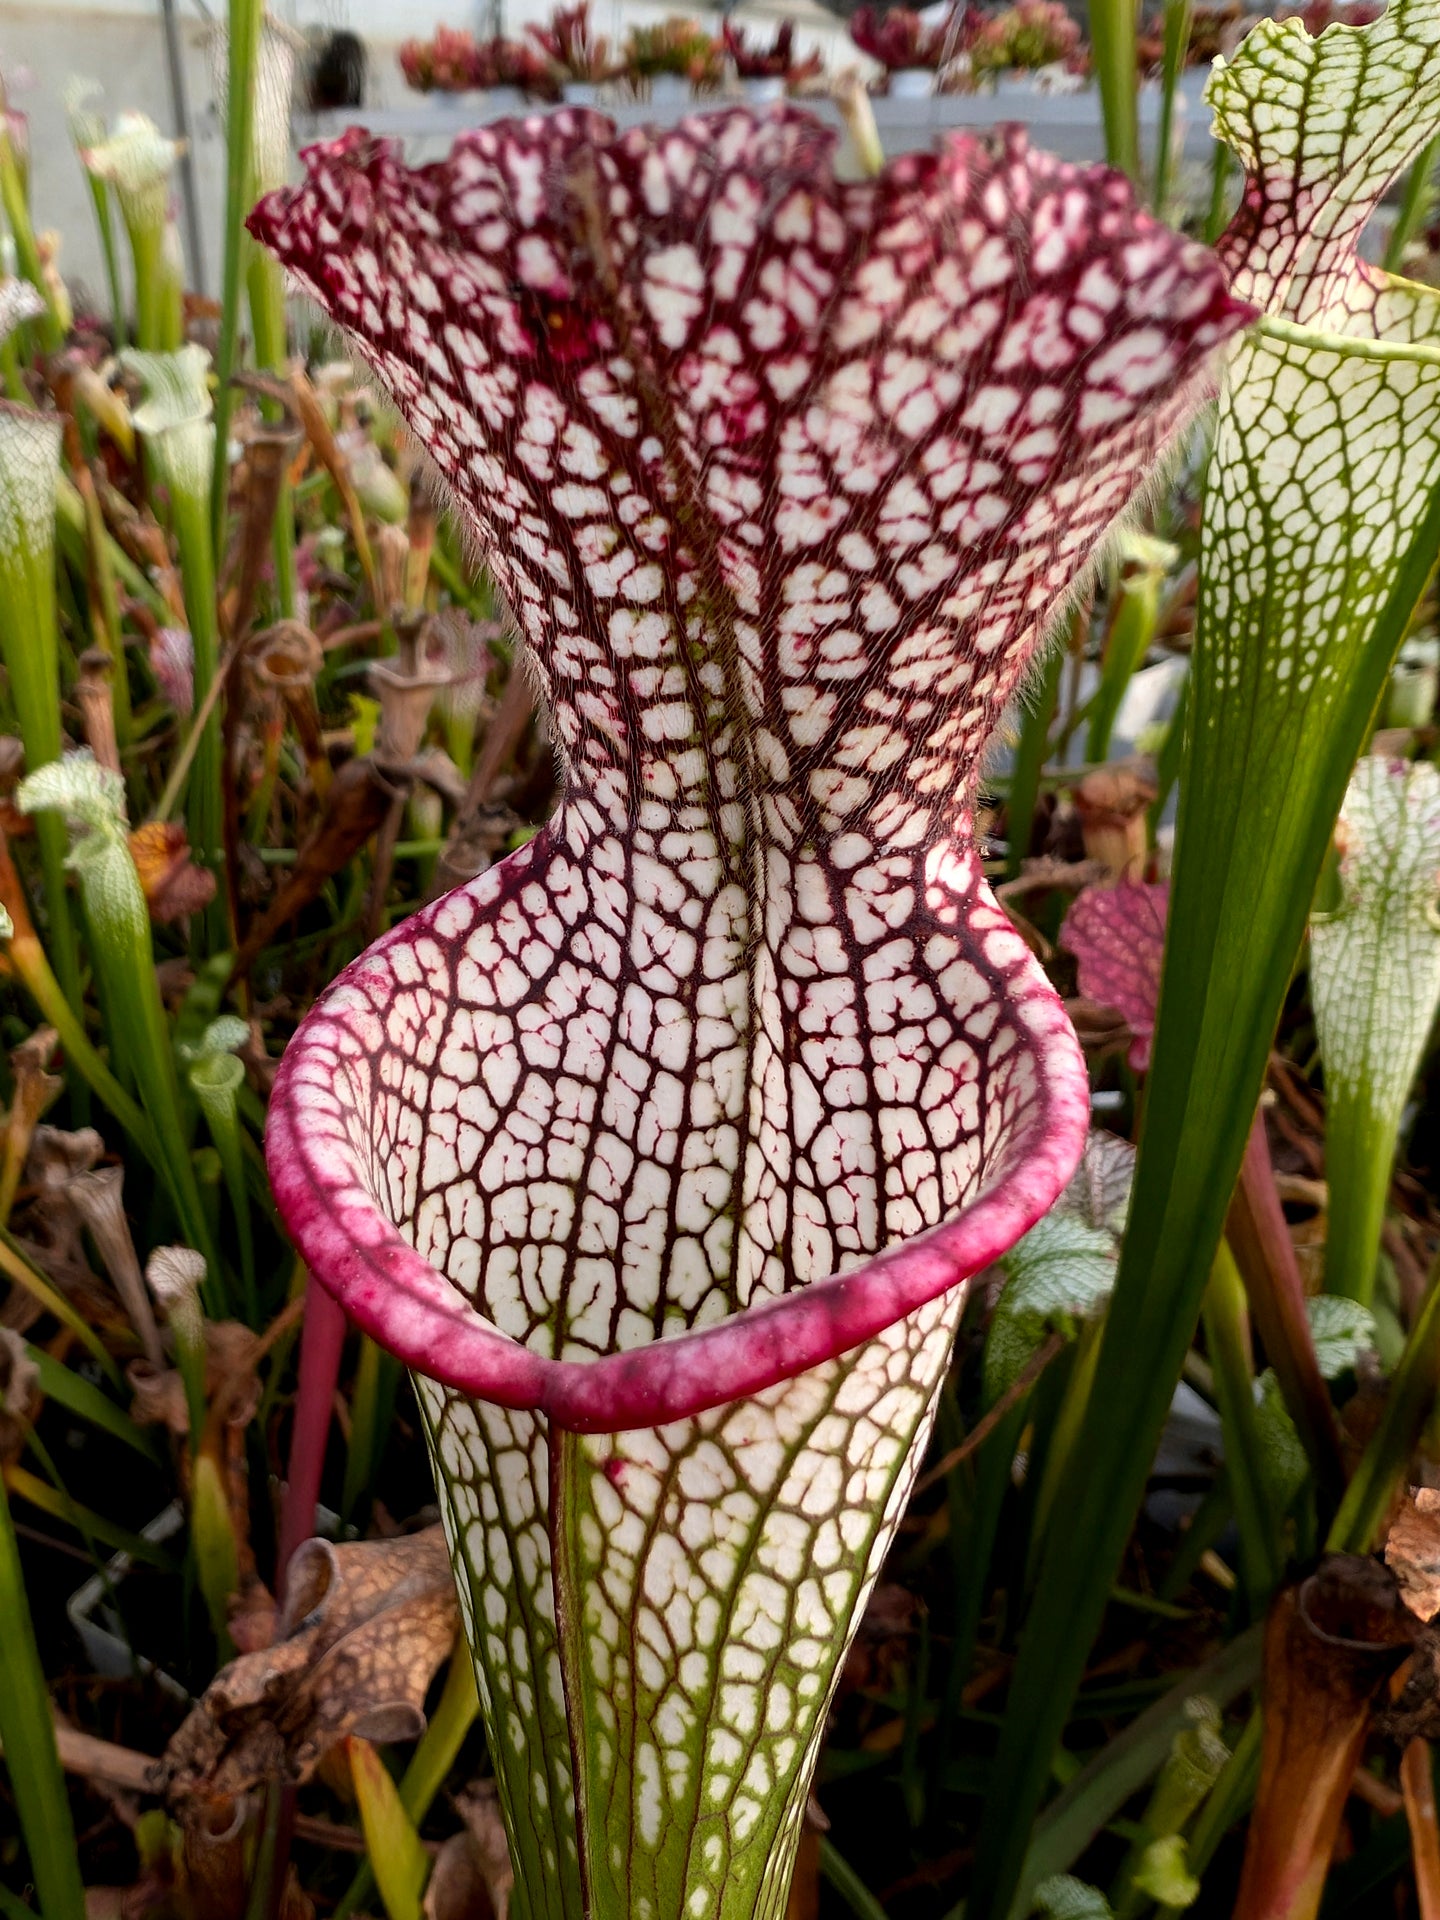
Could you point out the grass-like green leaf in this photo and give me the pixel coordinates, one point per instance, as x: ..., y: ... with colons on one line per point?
x: 1228, y: 1347
x: 122, y: 950
x: 847, y: 1884
x: 83, y: 1398
x: 432, y: 1759
x: 1098, y: 1792
x: 15, y: 1267
x: 1177, y: 42
x: 1321, y: 527
x: 48, y: 1496
x: 1112, y: 53
x: 28, y: 1734
x: 396, y: 1855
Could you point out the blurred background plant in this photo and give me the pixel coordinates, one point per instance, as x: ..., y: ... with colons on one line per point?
x: 256, y: 708
x: 573, y: 48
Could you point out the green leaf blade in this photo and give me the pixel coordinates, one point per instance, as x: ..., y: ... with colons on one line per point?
x: 399, y: 1860
x: 28, y: 1734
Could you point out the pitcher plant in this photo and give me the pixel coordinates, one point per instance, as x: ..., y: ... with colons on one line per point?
x: 662, y: 1151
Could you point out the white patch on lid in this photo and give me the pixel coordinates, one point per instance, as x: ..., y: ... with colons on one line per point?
x: 527, y: 185
x: 674, y: 283
x: 992, y: 410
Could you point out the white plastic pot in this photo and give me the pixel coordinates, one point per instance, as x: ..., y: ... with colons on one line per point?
x: 911, y: 83
x: 669, y: 89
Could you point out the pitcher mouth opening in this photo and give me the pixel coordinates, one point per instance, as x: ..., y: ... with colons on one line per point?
x: 398, y: 1297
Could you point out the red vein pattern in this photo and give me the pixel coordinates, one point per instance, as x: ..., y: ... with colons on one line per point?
x: 783, y: 479
x: 664, y: 1147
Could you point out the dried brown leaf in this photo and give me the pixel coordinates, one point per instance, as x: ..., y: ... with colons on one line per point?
x: 1412, y: 1551
x: 311, y: 412
x: 455, y: 1890
x: 1414, y: 1712
x: 1100, y: 1029
x: 157, y: 1397
x: 213, y: 1866
x: 34, y: 1090
x: 1417, y: 1781
x: 19, y: 1388
x: 231, y: 1354
x: 1112, y: 803
x: 96, y: 702
x: 362, y: 1632
x: 74, y: 1191
x: 57, y: 1155
x: 264, y: 464
x: 106, y: 1903
x: 472, y: 1878
x: 174, y: 886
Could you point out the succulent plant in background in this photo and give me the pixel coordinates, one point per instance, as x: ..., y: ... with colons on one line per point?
x: 455, y: 62
x: 673, y: 46
x: 899, y: 39
x: 515, y: 63
x: 1032, y: 34
x: 662, y: 1151
x: 775, y: 62
x: 446, y: 63
x: 573, y: 48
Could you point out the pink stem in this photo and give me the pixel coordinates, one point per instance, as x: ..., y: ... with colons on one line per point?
x: 321, y: 1340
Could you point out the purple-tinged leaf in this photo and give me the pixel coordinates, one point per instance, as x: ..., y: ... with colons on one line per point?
x: 1117, y: 935
x: 666, y: 1144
